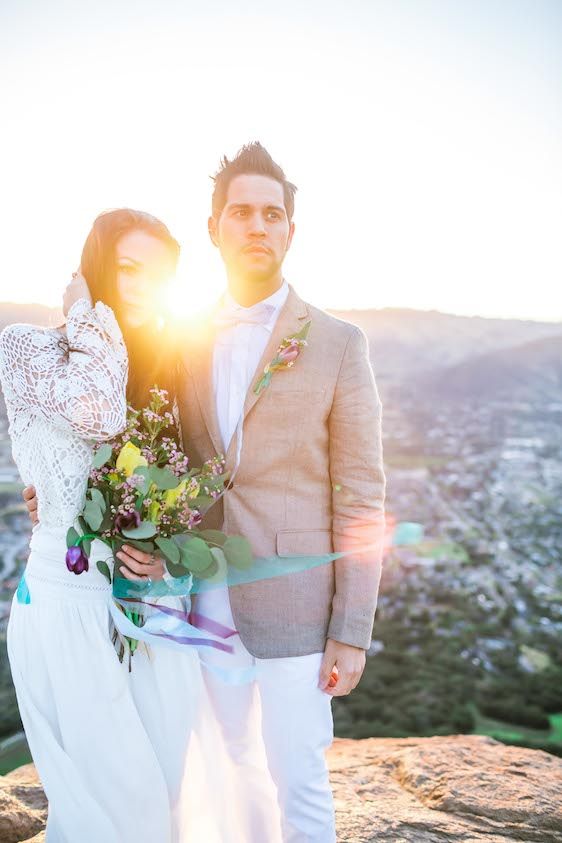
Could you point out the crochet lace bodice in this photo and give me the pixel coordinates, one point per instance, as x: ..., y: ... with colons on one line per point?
x: 63, y: 394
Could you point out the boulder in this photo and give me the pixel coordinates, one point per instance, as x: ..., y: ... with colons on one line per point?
x: 465, y: 788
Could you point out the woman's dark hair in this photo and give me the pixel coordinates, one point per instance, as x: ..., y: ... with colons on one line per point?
x: 151, y: 351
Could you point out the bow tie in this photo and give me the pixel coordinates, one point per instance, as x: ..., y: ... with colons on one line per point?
x: 234, y: 314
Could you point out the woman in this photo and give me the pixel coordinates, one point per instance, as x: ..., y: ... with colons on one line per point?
x: 109, y: 745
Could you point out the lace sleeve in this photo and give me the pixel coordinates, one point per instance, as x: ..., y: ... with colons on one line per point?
x: 78, y: 383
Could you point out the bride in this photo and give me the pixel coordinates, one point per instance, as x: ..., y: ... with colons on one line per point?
x: 109, y: 745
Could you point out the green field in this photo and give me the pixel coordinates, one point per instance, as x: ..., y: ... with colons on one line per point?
x: 11, y: 488
x: 13, y: 753
x: 514, y: 732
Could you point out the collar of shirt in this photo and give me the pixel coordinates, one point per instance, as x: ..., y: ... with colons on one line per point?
x: 273, y: 303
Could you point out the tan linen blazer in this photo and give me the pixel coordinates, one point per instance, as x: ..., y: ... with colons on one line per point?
x: 310, y: 481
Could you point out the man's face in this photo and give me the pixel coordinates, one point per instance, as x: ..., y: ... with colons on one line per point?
x: 253, y: 232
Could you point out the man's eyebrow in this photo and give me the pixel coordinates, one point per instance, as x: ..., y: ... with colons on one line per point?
x: 246, y: 205
x: 127, y: 258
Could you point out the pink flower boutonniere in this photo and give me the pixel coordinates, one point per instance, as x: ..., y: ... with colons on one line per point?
x: 287, y: 353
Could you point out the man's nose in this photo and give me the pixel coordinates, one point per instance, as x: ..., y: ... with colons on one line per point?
x: 257, y: 226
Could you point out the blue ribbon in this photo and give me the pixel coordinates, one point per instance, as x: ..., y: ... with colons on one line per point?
x: 22, y: 594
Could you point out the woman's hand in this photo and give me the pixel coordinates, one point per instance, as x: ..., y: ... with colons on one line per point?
x: 76, y: 289
x: 140, y: 567
x: 30, y: 499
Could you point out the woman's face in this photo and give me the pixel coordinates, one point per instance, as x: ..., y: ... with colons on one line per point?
x: 144, y: 266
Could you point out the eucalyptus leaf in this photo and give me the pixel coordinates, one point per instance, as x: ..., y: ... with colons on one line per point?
x: 175, y: 570
x: 209, y: 572
x: 195, y: 555
x: 93, y: 515
x: 97, y: 497
x: 71, y: 537
x: 102, y: 455
x: 145, y: 530
x: 213, y: 536
x: 221, y: 573
x: 146, y: 547
x: 169, y: 548
x: 87, y: 545
x: 163, y: 478
x: 238, y: 552
x: 103, y: 568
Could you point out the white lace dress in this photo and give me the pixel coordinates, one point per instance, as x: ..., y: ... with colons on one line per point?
x: 109, y: 745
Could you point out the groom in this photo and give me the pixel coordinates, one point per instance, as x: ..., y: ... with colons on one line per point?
x: 308, y: 480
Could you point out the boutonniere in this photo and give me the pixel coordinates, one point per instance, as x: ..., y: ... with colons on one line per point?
x: 287, y: 353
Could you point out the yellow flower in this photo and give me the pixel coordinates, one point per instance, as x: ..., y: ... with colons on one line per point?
x: 113, y: 477
x: 154, y: 512
x: 129, y: 459
x: 172, y: 495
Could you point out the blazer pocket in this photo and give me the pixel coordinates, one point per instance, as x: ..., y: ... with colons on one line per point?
x: 304, y: 542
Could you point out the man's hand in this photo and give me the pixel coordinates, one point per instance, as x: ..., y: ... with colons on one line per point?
x: 139, y: 566
x: 30, y: 498
x: 341, y: 668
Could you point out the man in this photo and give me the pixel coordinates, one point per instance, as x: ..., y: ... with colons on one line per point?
x: 307, y: 479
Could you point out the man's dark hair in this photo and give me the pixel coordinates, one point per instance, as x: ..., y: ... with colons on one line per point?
x: 253, y: 159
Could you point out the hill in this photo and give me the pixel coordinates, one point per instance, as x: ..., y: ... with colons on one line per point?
x: 530, y: 372
x: 407, y: 342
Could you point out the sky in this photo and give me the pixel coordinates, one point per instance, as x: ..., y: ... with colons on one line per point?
x: 424, y: 137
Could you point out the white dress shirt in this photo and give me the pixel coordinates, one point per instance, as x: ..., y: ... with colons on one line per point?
x: 238, y: 349
x: 237, y: 352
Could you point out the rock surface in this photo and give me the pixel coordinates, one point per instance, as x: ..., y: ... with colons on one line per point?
x: 23, y: 807
x: 405, y: 790
x: 458, y: 788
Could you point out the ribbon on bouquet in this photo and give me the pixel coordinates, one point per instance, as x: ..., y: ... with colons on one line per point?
x: 169, y: 626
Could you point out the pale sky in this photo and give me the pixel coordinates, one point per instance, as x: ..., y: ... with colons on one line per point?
x: 425, y: 137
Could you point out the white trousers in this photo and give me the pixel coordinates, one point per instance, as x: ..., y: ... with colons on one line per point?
x: 276, y: 730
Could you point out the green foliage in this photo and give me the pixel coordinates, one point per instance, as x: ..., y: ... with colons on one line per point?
x: 195, y: 555
x: 103, y: 568
x: 102, y: 455
x: 169, y: 548
x: 9, y: 714
x: 145, y: 530
x: 163, y: 478
x: 238, y: 552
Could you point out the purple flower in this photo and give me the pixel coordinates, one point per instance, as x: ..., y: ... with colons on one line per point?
x: 289, y: 355
x: 194, y: 519
x: 76, y: 560
x: 127, y: 520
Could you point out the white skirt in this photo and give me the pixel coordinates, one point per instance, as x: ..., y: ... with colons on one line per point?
x: 112, y: 747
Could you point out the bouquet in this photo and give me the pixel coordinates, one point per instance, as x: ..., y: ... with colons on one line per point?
x: 142, y: 492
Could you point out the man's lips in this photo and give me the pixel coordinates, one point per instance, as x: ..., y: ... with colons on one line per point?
x: 254, y: 249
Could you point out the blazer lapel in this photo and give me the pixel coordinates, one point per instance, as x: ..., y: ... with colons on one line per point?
x: 291, y: 319
x: 198, y: 360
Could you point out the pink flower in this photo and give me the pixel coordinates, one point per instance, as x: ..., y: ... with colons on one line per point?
x: 289, y: 355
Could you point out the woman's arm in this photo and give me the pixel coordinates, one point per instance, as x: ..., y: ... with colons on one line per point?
x: 80, y: 385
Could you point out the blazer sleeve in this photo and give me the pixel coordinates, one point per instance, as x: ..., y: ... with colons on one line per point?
x: 358, y: 488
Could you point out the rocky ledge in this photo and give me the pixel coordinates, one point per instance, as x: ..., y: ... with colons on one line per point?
x: 405, y: 790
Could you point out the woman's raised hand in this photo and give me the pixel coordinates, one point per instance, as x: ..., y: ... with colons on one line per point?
x: 76, y: 289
